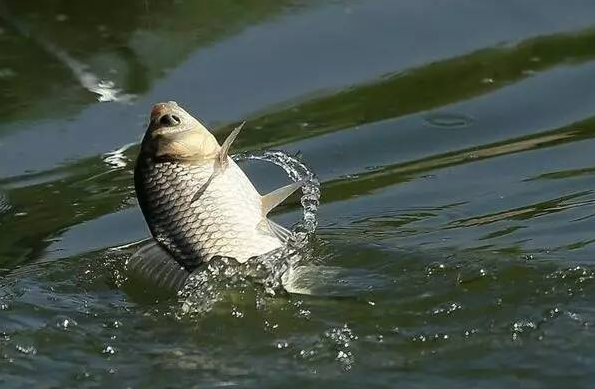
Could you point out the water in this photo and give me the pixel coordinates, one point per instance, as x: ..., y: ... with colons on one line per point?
x: 453, y: 143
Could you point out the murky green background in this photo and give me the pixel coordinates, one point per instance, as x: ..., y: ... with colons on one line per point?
x: 455, y: 143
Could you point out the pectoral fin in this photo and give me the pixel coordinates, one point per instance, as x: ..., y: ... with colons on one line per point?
x: 276, y: 197
x: 204, y: 187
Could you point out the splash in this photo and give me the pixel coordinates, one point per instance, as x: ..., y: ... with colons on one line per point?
x: 116, y: 158
x: 296, y: 171
x: 207, y: 284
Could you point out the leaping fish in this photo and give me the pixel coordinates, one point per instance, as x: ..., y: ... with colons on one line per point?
x: 196, y: 200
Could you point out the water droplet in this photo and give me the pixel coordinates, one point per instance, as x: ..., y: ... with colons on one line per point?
x: 117, y: 158
x: 115, y: 324
x: 26, y: 349
x: 65, y: 323
x: 307, y: 354
x: 236, y: 313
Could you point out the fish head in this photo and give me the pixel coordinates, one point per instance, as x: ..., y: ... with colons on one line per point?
x: 175, y: 135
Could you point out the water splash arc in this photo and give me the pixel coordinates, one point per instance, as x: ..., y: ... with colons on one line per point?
x: 206, y: 285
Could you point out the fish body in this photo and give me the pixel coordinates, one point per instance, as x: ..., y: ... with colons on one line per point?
x: 195, y: 199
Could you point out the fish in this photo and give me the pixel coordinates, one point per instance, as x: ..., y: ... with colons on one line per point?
x: 196, y: 201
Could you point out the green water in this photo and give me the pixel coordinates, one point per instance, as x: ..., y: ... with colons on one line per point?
x: 455, y: 145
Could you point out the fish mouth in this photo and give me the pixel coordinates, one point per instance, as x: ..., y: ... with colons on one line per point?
x: 160, y: 109
x: 167, y: 118
x: 169, y: 130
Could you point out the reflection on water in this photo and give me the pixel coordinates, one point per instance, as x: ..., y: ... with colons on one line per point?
x: 454, y: 242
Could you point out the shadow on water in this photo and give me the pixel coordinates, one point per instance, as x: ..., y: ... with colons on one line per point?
x: 385, y: 176
x: 421, y: 89
x: 134, y: 47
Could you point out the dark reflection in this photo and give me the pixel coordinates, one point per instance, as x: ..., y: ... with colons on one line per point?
x: 526, y: 212
x: 562, y: 174
x: 342, y: 189
x: 419, y: 89
x: 132, y: 43
x: 46, y: 204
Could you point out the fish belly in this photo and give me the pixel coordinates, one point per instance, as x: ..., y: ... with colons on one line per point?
x: 225, y: 220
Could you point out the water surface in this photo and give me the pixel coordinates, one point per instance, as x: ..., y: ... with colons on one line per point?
x: 454, y: 143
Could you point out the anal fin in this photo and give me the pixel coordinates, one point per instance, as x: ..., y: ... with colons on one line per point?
x: 281, y: 232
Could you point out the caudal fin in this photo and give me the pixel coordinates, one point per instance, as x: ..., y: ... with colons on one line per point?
x: 153, y: 264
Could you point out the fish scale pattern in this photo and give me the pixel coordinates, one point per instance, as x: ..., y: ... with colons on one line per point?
x: 225, y: 220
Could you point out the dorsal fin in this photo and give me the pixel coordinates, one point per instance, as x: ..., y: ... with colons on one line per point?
x: 220, y: 161
x: 276, y: 197
x: 223, y: 153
